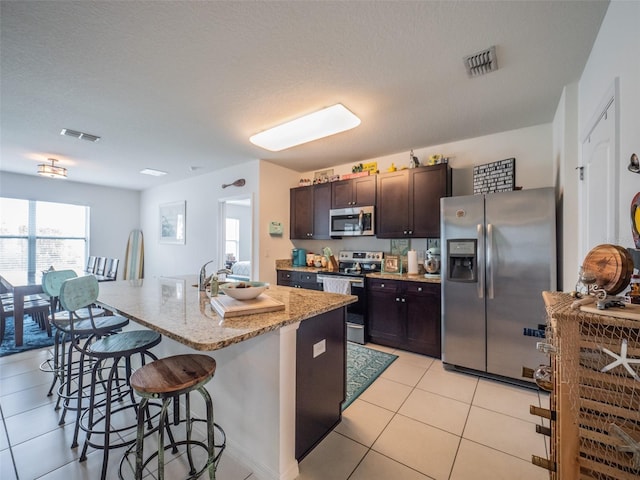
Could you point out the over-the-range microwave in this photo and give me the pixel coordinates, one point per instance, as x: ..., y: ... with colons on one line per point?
x: 353, y: 221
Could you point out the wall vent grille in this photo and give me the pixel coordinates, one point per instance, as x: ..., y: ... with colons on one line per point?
x: 79, y: 135
x: 482, y: 62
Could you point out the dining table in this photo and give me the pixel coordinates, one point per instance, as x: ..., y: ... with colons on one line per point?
x: 20, y: 283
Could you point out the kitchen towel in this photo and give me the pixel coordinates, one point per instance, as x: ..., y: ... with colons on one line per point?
x: 412, y: 260
x: 336, y: 285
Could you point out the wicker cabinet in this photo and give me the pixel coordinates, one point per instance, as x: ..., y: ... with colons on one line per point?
x: 595, y: 403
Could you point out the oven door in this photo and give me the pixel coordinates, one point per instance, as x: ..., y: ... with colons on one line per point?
x: 355, y: 314
x: 355, y: 311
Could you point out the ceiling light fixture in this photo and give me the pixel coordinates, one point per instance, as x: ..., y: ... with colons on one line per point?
x: 52, y: 171
x: 320, y: 124
x: 153, y: 172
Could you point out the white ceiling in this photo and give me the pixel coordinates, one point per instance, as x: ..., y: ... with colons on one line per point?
x: 180, y: 86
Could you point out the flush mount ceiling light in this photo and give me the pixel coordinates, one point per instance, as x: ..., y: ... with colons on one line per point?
x: 320, y: 124
x: 50, y: 170
x: 153, y: 172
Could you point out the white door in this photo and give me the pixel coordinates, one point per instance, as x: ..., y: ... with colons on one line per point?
x: 599, y: 187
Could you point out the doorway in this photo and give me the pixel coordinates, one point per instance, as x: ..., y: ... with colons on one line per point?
x: 599, y: 188
x: 235, y: 241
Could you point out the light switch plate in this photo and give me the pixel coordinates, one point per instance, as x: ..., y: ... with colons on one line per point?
x: 275, y: 228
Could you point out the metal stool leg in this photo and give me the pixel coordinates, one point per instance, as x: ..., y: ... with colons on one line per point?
x: 210, y: 432
x: 140, y: 439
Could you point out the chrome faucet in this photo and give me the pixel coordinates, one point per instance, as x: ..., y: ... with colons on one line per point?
x: 226, y: 271
x: 202, y: 280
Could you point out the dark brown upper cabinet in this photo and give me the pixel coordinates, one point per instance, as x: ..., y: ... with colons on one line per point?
x: 310, y: 212
x: 356, y: 192
x: 408, y: 201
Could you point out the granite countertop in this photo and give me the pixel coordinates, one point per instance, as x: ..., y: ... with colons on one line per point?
x: 286, y: 265
x: 174, y: 307
x: 419, y: 277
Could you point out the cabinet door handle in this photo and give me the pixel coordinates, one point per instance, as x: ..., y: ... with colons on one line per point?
x: 403, y: 300
x: 382, y: 285
x: 410, y: 232
x: 419, y: 289
x: 397, y: 299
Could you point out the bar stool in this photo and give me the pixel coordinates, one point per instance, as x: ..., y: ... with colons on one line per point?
x: 88, y: 321
x: 108, y: 354
x: 167, y: 379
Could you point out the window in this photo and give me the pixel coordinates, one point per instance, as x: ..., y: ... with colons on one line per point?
x: 37, y: 235
x: 232, y: 240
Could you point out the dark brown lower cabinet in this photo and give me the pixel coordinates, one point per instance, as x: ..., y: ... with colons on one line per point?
x: 297, y: 279
x: 320, y: 378
x: 404, y: 315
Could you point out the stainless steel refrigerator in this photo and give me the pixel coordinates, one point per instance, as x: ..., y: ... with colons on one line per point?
x: 499, y: 253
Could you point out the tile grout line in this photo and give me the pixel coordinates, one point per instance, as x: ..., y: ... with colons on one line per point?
x: 6, y: 433
x: 455, y: 457
x: 395, y: 413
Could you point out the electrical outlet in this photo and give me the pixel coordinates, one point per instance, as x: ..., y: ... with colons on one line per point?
x: 319, y: 348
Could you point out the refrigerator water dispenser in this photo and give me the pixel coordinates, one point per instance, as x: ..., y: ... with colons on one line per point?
x: 462, y: 260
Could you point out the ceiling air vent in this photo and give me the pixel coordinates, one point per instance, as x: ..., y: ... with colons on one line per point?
x: 79, y: 135
x: 481, y: 62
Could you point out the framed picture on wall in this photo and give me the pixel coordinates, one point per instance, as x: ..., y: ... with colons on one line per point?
x: 172, y: 222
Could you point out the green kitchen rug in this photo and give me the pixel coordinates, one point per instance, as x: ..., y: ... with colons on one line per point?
x: 364, y: 365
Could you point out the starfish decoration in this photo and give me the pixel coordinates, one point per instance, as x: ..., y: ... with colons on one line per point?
x: 629, y: 445
x: 621, y: 360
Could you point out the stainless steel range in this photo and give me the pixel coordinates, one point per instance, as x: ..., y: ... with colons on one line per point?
x: 353, y: 266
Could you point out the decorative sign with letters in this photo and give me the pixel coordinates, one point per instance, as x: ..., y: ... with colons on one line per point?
x: 495, y: 177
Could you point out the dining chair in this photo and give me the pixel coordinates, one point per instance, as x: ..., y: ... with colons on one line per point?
x: 37, y: 309
x: 101, y: 264
x: 91, y: 264
x: 112, y: 269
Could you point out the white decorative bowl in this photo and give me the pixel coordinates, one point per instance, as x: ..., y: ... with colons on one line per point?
x: 243, y: 290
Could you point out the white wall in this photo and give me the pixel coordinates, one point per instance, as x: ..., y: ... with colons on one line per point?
x: 202, y: 194
x: 531, y: 147
x: 273, y: 205
x: 566, y: 178
x: 616, y: 54
x: 114, y: 211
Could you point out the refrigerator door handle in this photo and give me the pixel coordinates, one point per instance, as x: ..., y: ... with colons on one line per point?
x: 490, y: 261
x: 480, y: 262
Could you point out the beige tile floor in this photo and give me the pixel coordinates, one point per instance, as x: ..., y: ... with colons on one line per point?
x: 416, y: 421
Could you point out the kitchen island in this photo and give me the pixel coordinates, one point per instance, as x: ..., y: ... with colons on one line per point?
x: 254, y: 390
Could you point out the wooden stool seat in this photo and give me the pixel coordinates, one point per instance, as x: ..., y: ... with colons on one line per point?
x: 169, y: 376
x: 167, y: 380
